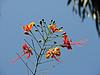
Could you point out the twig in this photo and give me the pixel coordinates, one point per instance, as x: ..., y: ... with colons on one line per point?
x: 40, y: 33
x: 34, y: 48
x: 35, y: 39
x: 26, y: 64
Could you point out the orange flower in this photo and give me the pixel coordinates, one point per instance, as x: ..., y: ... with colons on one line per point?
x: 28, y: 27
x: 49, y: 54
x: 66, y: 42
x: 54, y: 28
x: 26, y: 51
x: 57, y: 51
x: 53, y: 53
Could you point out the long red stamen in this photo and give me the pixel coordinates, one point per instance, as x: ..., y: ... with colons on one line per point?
x: 55, y: 58
x: 18, y: 58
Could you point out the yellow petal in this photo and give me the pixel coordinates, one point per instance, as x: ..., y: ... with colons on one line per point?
x: 61, y: 30
x: 32, y: 23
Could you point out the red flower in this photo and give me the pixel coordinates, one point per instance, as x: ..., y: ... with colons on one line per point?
x: 66, y: 42
x: 26, y: 51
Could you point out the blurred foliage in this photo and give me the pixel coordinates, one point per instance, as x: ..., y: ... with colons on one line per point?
x: 87, y: 8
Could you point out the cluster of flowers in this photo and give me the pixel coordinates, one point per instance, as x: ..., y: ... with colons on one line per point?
x: 49, y: 42
x: 51, y: 52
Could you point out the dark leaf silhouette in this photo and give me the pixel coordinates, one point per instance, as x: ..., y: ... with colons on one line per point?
x: 69, y: 2
x: 86, y: 8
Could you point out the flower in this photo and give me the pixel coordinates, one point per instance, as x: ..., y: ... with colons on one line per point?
x: 53, y: 53
x: 66, y: 42
x: 28, y: 27
x: 57, y: 51
x: 49, y: 54
x: 54, y: 28
x: 26, y: 51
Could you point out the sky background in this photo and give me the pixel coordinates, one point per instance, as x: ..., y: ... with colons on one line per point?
x: 15, y: 13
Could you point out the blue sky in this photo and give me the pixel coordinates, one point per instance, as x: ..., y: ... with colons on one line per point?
x: 15, y: 13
